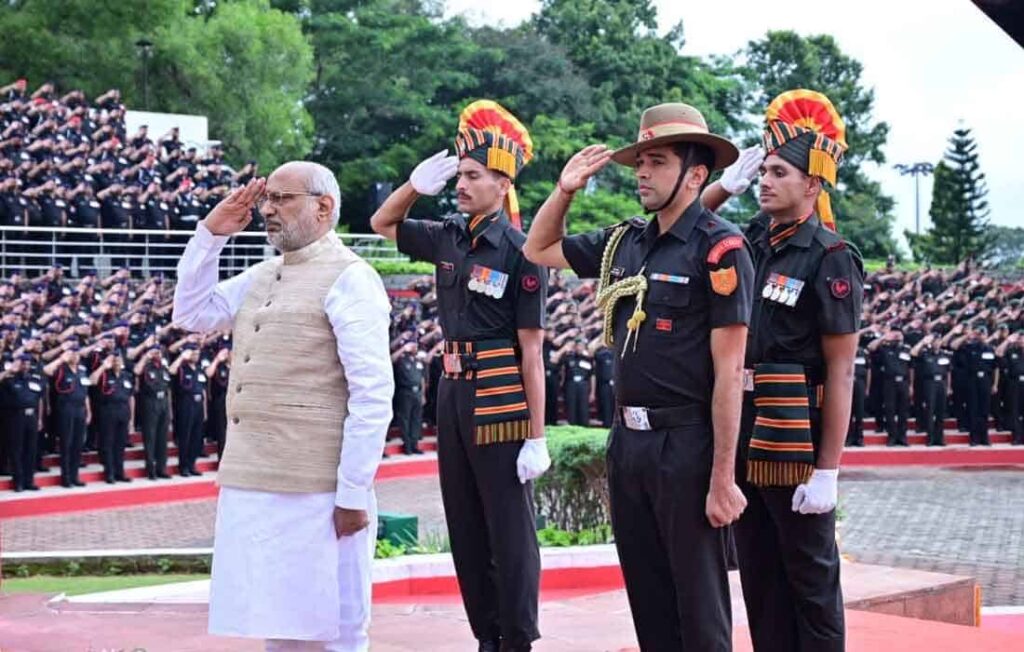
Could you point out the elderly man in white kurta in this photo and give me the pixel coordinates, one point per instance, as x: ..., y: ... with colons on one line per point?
x: 309, y: 403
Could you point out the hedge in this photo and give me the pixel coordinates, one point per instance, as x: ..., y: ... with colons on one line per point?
x: 573, y: 494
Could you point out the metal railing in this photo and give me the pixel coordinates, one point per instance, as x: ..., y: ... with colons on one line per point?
x: 33, y: 250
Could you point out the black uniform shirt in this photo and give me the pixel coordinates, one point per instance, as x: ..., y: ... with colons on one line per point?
x: 895, y: 360
x: 1012, y: 364
x: 116, y: 389
x: 469, y: 315
x: 671, y: 364
x: 189, y: 382
x: 932, y: 365
x: 409, y: 373
x: 71, y: 385
x: 578, y: 368
x: 980, y: 360
x: 86, y: 213
x: 604, y: 365
x: 153, y: 382
x: 813, y: 285
x: 22, y: 392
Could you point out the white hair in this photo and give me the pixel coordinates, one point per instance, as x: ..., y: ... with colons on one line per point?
x: 321, y: 181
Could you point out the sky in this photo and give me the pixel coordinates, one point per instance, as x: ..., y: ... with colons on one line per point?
x: 934, y: 66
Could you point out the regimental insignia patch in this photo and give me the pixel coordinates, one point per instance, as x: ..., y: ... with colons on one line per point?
x: 840, y: 288
x: 724, y: 281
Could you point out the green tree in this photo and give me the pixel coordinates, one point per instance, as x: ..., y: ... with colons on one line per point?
x: 242, y: 64
x: 1007, y: 250
x: 784, y: 60
x: 246, y: 67
x: 959, y: 210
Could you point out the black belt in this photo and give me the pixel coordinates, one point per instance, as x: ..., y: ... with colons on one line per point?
x: 645, y: 418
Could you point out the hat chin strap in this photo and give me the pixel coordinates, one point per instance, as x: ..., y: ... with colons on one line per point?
x: 675, y: 189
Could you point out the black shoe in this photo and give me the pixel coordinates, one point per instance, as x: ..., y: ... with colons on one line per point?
x: 163, y: 475
x: 195, y: 471
x: 18, y: 489
x: 65, y: 484
x: 489, y: 646
x: 184, y: 472
x: 32, y: 487
x: 78, y: 483
x: 41, y: 469
x: 124, y: 478
x: 109, y: 480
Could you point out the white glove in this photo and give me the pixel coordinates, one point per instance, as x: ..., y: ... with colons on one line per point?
x: 819, y: 494
x: 431, y: 175
x: 737, y: 177
x: 533, y: 459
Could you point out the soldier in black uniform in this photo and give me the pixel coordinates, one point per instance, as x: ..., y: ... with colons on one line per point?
x: 861, y: 370
x: 154, y: 410
x: 676, y: 294
x: 189, y: 385
x: 22, y: 395
x: 979, y: 363
x: 218, y: 375
x: 409, y: 371
x: 577, y: 379
x: 604, y: 384
x: 895, y: 370
x: 1011, y: 366
x: 800, y: 357
x: 84, y: 214
x: 491, y: 422
x: 71, y: 411
x: 115, y: 387
x: 551, y: 378
x: 931, y: 375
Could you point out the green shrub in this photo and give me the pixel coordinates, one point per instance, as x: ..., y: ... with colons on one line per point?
x: 573, y: 494
x: 387, y: 550
x: 401, y: 267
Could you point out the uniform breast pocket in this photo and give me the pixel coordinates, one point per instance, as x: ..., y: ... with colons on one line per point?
x: 447, y: 277
x: 670, y: 298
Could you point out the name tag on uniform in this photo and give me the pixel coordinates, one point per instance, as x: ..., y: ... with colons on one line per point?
x: 669, y: 278
x: 35, y: 387
x: 586, y: 365
x: 127, y: 384
x: 487, y: 281
x: 161, y: 394
x: 938, y: 379
x: 782, y: 289
x: 198, y: 398
x: 201, y: 378
x: 86, y: 382
x: 943, y: 361
x: 30, y: 411
x: 860, y: 361
x: 636, y: 418
x: 577, y: 379
x: 988, y: 355
x: 167, y: 376
x: 905, y: 357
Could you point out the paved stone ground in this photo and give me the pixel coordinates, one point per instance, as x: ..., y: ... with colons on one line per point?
x: 958, y: 521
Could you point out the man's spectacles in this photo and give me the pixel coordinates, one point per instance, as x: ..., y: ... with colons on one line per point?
x: 277, y: 199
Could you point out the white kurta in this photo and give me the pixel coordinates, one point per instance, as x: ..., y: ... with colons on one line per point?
x: 279, y: 572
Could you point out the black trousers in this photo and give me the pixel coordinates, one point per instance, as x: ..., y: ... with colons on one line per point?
x: 155, y: 420
x: 22, y: 433
x: 1015, y: 410
x: 605, y: 403
x: 789, y: 564
x: 855, y: 433
x: 188, y: 427
x: 70, y: 419
x: 577, y: 402
x: 491, y: 524
x: 113, y: 435
x: 409, y: 414
x: 673, y: 561
x: 933, y: 411
x: 896, y: 406
x: 551, y: 392
x: 979, y: 403
x: 217, y: 422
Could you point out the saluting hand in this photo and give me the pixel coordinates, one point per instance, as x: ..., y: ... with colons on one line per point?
x: 234, y: 212
x: 584, y: 164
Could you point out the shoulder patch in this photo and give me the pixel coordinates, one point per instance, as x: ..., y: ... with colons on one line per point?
x: 840, y: 288
x: 638, y: 222
x: 724, y: 281
x: 839, y: 246
x: 531, y: 283
x: 724, y: 246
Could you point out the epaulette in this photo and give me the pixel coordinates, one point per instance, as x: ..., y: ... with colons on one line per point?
x: 454, y: 221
